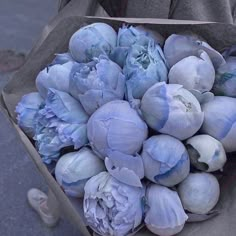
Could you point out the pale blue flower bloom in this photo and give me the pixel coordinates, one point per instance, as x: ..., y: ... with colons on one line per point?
x: 26, y: 110
x: 116, y: 127
x: 55, y: 76
x: 97, y: 83
x: 193, y: 72
x: 165, y: 159
x: 199, y: 192
x: 206, y: 153
x: 220, y: 121
x: 145, y: 66
x: 74, y: 169
x: 171, y: 109
x: 128, y: 36
x: 92, y: 41
x: 178, y: 47
x: 111, y: 207
x: 61, y: 123
x: 165, y: 214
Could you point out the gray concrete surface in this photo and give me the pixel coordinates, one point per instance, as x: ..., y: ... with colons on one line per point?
x: 21, y: 22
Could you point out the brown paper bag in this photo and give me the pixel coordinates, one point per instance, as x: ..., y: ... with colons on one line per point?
x: 55, y: 40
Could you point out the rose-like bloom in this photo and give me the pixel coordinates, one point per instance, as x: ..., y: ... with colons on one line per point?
x: 111, y: 207
x: 74, y: 169
x: 219, y: 121
x: 60, y: 123
x: 206, y: 153
x: 145, y: 66
x: 199, y: 192
x: 225, y: 82
x: 193, y: 72
x: 116, y: 127
x: 56, y: 76
x: 97, y: 83
x: 26, y: 110
x: 92, y: 41
x: 128, y: 36
x: 178, y: 47
x: 165, y: 214
x: 165, y: 160
x: 127, y: 169
x: 171, y: 109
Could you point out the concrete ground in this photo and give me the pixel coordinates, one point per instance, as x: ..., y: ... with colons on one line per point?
x: 20, y: 25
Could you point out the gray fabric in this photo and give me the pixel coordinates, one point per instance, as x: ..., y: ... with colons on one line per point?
x: 202, y: 10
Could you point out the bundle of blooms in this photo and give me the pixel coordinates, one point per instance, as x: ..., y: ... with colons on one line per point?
x: 138, y: 112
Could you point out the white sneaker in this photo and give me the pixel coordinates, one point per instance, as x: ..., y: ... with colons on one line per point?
x: 38, y: 201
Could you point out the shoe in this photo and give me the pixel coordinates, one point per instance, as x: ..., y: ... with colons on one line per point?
x: 38, y: 201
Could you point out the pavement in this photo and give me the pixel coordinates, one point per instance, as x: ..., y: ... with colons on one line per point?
x: 20, y: 25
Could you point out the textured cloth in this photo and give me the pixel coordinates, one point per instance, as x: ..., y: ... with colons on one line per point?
x: 202, y: 10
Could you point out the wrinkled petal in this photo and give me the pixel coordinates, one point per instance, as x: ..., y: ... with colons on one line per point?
x: 97, y: 83
x: 111, y: 207
x: 65, y: 107
x: 60, y: 123
x: 145, y: 66
x: 125, y: 168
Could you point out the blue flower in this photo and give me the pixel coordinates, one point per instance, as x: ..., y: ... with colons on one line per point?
x: 194, y: 73
x: 97, y: 83
x: 177, y: 47
x: 171, y: 109
x: 92, y: 41
x: 54, y: 76
x: 128, y: 36
x: 220, y: 121
x: 145, y: 66
x: 26, y: 110
x: 165, y: 214
x: 116, y: 127
x: 74, y: 169
x: 60, y: 123
x: 112, y: 207
x: 165, y: 159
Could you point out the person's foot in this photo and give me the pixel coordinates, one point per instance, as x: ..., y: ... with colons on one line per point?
x: 38, y: 201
